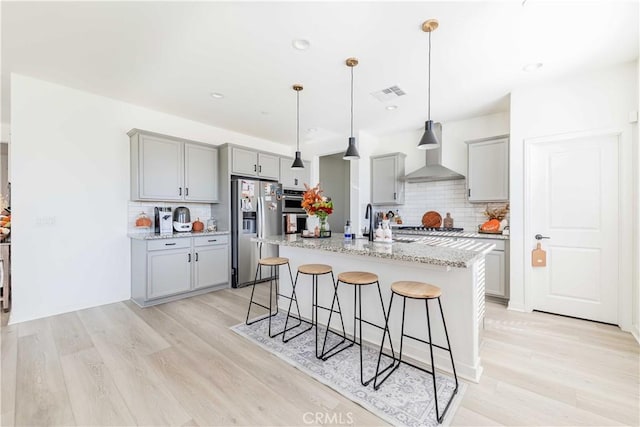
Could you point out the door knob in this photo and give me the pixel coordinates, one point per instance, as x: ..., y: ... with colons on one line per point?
x: 540, y: 237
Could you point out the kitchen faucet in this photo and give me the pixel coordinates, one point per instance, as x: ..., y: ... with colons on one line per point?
x: 369, y: 215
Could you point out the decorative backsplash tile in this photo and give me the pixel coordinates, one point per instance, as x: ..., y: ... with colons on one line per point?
x: 197, y: 210
x: 442, y: 197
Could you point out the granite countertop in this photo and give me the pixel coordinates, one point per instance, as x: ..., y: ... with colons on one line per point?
x: 154, y: 236
x: 437, y: 251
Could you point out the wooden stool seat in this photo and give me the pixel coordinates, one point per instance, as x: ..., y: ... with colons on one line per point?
x: 358, y: 278
x: 315, y: 269
x: 273, y: 261
x: 418, y: 290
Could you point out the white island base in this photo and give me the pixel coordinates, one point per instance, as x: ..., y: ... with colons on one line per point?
x: 462, y: 302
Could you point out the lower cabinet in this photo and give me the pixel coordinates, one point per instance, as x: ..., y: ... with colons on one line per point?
x: 168, y: 269
x: 496, y: 276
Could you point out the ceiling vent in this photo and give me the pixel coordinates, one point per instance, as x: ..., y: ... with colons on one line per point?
x: 388, y: 94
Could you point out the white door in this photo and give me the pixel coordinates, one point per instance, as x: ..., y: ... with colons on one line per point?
x: 573, y: 199
x: 160, y: 169
x: 211, y: 266
x: 169, y: 272
x: 201, y: 173
x: 268, y: 166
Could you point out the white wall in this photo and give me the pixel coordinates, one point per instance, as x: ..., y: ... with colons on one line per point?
x: 596, y: 100
x: 636, y: 216
x: 70, y: 165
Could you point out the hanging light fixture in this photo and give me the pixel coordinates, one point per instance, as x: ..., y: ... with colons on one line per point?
x: 352, y: 150
x: 429, y: 139
x: 297, y: 162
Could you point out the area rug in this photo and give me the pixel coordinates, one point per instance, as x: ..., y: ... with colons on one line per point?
x: 404, y: 399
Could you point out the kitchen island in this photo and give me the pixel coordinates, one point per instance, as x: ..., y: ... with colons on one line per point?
x: 457, y: 267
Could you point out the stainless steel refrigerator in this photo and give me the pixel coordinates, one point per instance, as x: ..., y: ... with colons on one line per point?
x: 256, y: 211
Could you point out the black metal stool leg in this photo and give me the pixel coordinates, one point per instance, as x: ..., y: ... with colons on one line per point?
x: 252, y: 302
x: 294, y: 296
x: 326, y: 354
x: 393, y: 366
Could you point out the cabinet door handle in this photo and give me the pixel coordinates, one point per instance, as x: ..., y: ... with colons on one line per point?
x: 170, y: 244
x: 394, y: 196
x: 186, y: 191
x: 295, y: 181
x: 196, y: 256
x: 212, y: 240
x: 180, y: 191
x: 255, y: 168
x: 189, y: 257
x: 469, y: 193
x: 260, y: 168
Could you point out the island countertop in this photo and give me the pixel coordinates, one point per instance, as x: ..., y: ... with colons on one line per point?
x: 155, y: 236
x: 436, y: 251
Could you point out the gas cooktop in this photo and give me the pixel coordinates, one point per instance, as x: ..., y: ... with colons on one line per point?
x: 416, y: 228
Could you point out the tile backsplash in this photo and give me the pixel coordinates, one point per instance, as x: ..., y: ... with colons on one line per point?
x: 197, y: 210
x: 442, y: 197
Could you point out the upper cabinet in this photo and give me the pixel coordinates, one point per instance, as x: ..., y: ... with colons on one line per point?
x: 488, y: 169
x: 247, y: 162
x: 165, y: 168
x: 294, y: 179
x: 387, y: 179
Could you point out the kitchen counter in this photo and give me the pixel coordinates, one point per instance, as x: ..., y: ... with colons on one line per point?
x: 457, y: 266
x: 438, y: 251
x: 462, y: 234
x: 154, y: 236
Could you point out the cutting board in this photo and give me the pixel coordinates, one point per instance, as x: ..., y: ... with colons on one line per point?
x: 431, y: 219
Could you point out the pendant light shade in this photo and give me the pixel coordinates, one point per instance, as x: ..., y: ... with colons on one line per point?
x: 297, y: 162
x: 429, y: 139
x: 352, y: 149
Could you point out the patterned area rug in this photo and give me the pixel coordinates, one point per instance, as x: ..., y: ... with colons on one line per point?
x: 405, y: 398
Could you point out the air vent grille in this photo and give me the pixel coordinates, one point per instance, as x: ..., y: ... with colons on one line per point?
x: 388, y: 94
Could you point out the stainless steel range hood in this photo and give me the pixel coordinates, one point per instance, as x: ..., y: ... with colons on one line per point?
x: 433, y: 171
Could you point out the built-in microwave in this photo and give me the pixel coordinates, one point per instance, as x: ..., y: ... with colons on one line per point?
x: 293, y: 202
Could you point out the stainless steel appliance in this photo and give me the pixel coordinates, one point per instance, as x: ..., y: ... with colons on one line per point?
x: 182, y: 219
x: 293, y: 223
x: 256, y: 211
x: 293, y: 202
x: 163, y: 223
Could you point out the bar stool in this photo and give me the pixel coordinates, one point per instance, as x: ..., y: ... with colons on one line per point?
x: 359, y: 279
x: 426, y: 292
x: 315, y: 270
x: 274, y: 263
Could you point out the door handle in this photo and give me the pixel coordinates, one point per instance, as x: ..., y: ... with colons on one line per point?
x: 186, y: 189
x: 540, y: 237
x: 196, y: 256
x: 260, y: 168
x: 255, y: 168
x: 180, y: 191
x: 189, y: 257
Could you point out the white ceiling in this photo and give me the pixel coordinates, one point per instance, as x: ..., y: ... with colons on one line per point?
x: 169, y: 56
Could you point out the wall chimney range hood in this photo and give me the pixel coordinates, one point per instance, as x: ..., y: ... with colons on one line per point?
x: 433, y: 171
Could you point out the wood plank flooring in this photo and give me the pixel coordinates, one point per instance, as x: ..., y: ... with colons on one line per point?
x: 179, y: 364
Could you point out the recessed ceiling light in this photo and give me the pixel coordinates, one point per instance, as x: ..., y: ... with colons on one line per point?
x: 301, y: 44
x: 391, y: 107
x: 532, y: 66
x: 216, y: 95
x: 312, y: 130
x: 264, y: 113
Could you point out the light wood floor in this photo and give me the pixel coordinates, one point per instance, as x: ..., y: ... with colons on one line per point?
x: 179, y: 364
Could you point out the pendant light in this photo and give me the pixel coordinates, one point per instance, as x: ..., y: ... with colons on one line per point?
x: 352, y: 150
x: 429, y: 139
x: 297, y: 162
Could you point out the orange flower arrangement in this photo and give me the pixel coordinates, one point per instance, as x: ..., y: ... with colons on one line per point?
x: 315, y: 203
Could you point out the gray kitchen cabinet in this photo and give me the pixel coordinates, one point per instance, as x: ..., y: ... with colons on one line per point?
x: 496, y: 275
x: 488, y: 169
x: 248, y: 162
x: 387, y: 179
x: 200, y: 179
x: 165, y: 168
x: 294, y: 179
x: 164, y: 270
x: 169, y: 272
x: 211, y: 256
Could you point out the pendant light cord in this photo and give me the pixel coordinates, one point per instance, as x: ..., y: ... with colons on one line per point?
x: 298, y: 120
x: 429, y: 82
x: 352, y: 101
